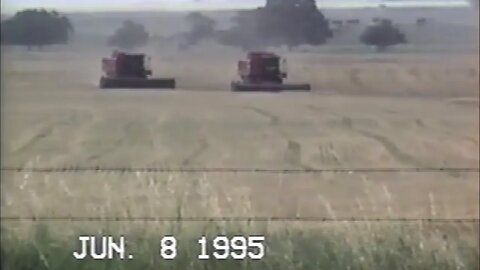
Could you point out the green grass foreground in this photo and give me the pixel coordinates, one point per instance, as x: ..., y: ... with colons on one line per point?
x: 386, y: 246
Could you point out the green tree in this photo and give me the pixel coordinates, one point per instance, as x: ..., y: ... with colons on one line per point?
x: 244, y: 32
x: 129, y: 36
x: 201, y: 27
x: 382, y: 35
x: 36, y: 27
x: 280, y: 22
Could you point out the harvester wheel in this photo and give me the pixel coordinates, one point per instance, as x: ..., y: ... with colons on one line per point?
x: 234, y: 86
x: 103, y: 83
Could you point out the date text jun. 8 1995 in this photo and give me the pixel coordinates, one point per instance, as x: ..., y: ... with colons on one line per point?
x: 217, y: 248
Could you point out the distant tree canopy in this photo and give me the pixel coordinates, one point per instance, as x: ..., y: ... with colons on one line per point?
x: 36, y: 27
x: 244, y: 33
x: 201, y: 27
x: 129, y: 36
x: 382, y: 35
x: 280, y: 22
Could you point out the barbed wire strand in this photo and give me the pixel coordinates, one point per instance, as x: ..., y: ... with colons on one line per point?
x: 99, y: 169
x: 238, y: 219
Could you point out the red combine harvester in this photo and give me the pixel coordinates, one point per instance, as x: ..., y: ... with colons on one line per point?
x: 124, y: 70
x: 264, y: 71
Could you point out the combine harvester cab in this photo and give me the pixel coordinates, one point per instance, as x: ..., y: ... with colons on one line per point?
x: 130, y: 71
x: 264, y: 71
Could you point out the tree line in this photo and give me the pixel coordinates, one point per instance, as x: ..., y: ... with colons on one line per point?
x: 279, y: 23
x: 36, y: 27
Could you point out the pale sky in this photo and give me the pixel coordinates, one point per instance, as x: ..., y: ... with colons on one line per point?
x: 11, y: 6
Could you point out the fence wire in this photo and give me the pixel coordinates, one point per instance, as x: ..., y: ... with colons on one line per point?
x: 99, y: 169
x: 238, y: 219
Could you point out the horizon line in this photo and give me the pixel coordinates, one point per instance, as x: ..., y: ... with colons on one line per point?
x: 390, y: 5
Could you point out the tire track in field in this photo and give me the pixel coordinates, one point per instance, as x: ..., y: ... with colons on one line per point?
x: 104, y: 152
x: 69, y: 141
x: 197, y: 152
x: 106, y: 129
x: 421, y: 124
x: 87, y: 122
x: 293, y: 152
x: 274, y: 119
x: 328, y: 154
x: 387, y: 144
x: 40, y: 136
x: 356, y: 78
x: 391, y: 147
x: 63, y: 129
x: 114, y: 144
x: 186, y: 139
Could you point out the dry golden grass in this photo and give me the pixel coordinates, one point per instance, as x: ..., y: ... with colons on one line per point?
x: 329, y: 195
x: 371, y: 111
